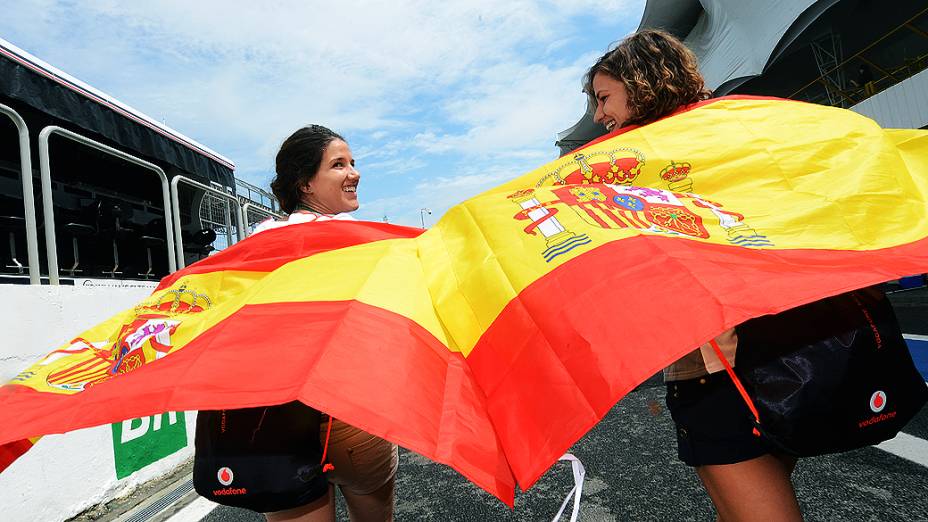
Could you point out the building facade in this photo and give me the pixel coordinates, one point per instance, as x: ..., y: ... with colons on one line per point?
x: 867, y: 56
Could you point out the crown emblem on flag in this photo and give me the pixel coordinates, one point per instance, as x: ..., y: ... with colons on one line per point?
x: 677, y: 176
x: 676, y: 171
x: 522, y: 194
x: 617, y: 166
x: 175, y: 302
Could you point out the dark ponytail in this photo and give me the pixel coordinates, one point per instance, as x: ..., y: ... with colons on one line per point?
x: 298, y: 162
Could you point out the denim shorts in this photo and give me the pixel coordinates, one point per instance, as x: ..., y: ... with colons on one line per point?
x: 713, y: 423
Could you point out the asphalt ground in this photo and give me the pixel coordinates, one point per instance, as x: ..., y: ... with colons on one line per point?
x: 632, y: 473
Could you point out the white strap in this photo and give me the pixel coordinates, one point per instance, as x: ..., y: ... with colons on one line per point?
x: 579, y: 472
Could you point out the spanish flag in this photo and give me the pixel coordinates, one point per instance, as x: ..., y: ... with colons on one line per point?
x: 496, y: 339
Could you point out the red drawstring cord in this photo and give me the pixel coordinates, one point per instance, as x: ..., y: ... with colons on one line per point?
x: 327, y: 466
x: 737, y: 381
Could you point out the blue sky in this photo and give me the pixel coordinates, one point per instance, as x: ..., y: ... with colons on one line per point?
x: 439, y: 100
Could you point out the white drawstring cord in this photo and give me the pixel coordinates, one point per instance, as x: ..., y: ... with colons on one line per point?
x: 579, y: 472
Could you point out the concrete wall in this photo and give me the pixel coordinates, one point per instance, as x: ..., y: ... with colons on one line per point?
x: 65, y: 474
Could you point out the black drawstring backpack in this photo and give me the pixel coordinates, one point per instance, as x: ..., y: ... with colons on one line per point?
x: 264, y: 459
x: 830, y: 376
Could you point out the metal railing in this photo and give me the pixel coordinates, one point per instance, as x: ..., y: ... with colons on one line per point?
x: 181, y: 262
x: 170, y: 198
x: 250, y: 192
x: 216, y: 213
x: 25, y: 168
x: 256, y: 209
x: 51, y: 250
x: 888, y: 79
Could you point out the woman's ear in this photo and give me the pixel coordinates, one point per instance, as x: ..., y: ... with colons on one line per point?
x: 305, y: 189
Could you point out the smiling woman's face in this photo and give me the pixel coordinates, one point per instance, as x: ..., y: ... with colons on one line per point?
x: 611, y: 101
x: 334, y: 188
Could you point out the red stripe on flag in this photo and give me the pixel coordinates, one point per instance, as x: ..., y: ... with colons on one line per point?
x: 90, y: 366
x: 407, y: 386
x: 274, y: 248
x: 12, y: 451
x: 635, y: 218
x: 561, y: 354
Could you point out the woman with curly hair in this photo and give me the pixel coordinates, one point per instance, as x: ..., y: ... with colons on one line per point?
x: 648, y: 76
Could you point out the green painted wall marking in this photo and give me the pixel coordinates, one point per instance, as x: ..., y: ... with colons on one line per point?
x: 140, y: 442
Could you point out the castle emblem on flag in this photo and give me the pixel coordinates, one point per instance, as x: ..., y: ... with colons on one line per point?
x: 611, y: 206
x: 627, y: 207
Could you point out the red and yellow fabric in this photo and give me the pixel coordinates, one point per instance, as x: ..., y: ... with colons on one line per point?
x: 496, y: 339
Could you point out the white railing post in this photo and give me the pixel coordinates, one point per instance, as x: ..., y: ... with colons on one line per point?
x: 25, y: 167
x: 181, y: 263
x: 48, y: 207
x: 257, y: 210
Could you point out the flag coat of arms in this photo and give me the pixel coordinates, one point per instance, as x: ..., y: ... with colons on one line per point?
x: 493, y: 341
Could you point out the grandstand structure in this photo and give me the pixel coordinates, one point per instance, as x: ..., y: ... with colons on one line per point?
x: 864, y: 55
x: 92, y: 188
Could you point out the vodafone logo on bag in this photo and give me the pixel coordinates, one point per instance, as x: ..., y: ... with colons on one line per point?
x: 225, y: 475
x: 877, y: 405
x: 878, y: 401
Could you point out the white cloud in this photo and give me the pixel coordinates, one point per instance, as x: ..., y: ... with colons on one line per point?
x: 440, y: 189
x: 462, y: 182
x: 417, y: 86
x: 511, y: 107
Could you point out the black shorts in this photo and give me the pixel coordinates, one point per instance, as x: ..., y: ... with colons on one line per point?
x: 714, y: 425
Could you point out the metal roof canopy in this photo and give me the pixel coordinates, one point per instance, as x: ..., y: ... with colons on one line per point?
x: 734, y: 41
x: 27, y: 81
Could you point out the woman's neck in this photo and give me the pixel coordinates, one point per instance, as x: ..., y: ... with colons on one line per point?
x: 304, y: 206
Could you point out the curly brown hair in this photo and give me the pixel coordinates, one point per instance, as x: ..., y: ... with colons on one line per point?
x: 659, y: 72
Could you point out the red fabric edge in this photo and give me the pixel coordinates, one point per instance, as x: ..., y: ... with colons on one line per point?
x: 12, y: 451
x: 271, y: 249
x: 408, y: 387
x: 557, y: 356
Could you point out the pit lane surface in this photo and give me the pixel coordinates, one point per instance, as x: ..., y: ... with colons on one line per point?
x: 633, y: 474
